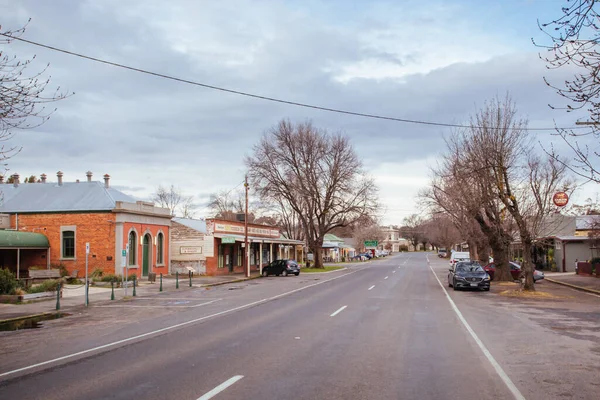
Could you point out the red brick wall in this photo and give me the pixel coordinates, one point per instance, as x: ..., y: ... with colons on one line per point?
x: 94, y: 228
x: 141, y: 230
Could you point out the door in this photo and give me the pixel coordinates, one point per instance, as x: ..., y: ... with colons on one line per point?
x: 146, y: 255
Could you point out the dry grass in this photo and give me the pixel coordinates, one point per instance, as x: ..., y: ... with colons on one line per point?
x: 520, y: 293
x: 507, y: 284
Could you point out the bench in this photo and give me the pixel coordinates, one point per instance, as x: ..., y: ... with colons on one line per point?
x: 41, y: 274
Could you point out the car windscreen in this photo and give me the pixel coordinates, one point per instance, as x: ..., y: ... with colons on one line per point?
x: 468, y: 267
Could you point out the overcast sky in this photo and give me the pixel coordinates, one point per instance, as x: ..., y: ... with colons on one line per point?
x: 423, y: 60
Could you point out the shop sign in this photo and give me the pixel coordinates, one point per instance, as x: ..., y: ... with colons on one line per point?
x: 190, y: 250
x: 228, y: 239
x: 560, y: 199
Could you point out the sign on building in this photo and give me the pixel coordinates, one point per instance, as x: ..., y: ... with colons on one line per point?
x: 190, y: 250
x: 228, y: 239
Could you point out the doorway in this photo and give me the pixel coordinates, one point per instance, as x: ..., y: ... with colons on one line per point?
x: 146, y: 255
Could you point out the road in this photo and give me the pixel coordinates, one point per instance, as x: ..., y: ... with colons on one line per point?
x: 379, y: 330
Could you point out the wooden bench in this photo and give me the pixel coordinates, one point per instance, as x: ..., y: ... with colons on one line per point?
x: 40, y: 275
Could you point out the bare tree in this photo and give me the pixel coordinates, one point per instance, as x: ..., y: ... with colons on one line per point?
x: 227, y: 204
x: 412, y: 230
x: 500, y: 151
x: 173, y: 199
x: 316, y: 174
x: 441, y: 232
x: 23, y: 98
x: 363, y: 233
x: 574, y: 38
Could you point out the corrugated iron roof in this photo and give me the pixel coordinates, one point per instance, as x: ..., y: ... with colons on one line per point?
x: 51, y: 197
x: 196, y: 224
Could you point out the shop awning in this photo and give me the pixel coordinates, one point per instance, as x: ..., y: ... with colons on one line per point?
x: 255, y: 239
x: 22, y: 240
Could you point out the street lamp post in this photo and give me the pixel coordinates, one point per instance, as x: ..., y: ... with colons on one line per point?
x: 246, y: 249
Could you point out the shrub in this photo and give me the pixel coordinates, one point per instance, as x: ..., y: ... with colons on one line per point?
x: 403, y: 248
x: 595, y: 260
x: 49, y: 285
x: 8, y: 282
x: 110, y: 278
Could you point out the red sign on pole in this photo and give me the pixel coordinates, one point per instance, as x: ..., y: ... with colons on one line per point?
x: 560, y: 199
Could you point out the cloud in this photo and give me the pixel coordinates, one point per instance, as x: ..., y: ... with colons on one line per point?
x: 435, y: 62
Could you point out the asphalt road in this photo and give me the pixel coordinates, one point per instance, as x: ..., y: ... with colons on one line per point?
x: 379, y: 330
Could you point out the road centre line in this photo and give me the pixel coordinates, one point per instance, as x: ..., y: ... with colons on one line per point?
x: 168, y: 328
x: 507, y: 381
x: 386, y: 277
x: 221, y: 387
x: 338, y: 311
x: 371, y: 287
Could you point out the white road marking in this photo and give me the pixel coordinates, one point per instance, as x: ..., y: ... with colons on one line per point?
x: 371, y: 287
x: 221, y: 387
x: 160, y: 306
x: 168, y: 328
x: 507, y: 381
x: 385, y: 277
x: 338, y: 311
x: 394, y: 271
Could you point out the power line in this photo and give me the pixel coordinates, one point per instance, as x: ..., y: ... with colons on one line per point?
x: 273, y: 99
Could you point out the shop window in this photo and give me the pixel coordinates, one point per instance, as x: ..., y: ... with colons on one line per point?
x: 220, y: 257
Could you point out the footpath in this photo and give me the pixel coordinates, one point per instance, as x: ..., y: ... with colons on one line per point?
x: 589, y: 284
x: 73, y: 296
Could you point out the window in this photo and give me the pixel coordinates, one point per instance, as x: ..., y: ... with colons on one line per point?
x: 220, y: 257
x: 240, y: 255
x: 132, y: 247
x: 68, y: 244
x: 159, y: 249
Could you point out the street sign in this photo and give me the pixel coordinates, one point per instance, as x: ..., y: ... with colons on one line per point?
x: 560, y: 199
x: 87, y: 248
x: 371, y: 243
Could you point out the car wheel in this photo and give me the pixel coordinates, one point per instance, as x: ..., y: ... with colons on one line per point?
x: 297, y: 273
x: 454, y: 285
x: 449, y: 284
x: 284, y: 273
x: 265, y: 272
x: 487, y: 289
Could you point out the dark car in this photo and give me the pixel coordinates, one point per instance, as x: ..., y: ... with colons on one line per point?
x: 281, y: 267
x: 515, y: 271
x: 468, y: 275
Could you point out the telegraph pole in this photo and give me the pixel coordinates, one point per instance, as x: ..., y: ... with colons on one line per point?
x: 246, y: 249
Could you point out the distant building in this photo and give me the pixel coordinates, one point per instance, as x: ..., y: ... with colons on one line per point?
x: 393, y: 241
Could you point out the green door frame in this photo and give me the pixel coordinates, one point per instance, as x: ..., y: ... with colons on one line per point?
x: 146, y: 255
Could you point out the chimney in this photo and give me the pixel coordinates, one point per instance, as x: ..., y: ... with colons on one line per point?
x: 59, y: 174
x: 43, y: 176
x: 89, y: 176
x: 106, y: 179
x: 16, y: 180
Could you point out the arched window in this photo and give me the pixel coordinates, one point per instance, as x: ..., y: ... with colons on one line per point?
x: 132, y: 247
x: 160, y: 239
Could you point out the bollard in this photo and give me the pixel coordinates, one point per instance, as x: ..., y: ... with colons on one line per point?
x: 160, y: 290
x: 112, y: 287
x: 190, y: 274
x: 176, y: 279
x: 134, y: 279
x: 58, y: 297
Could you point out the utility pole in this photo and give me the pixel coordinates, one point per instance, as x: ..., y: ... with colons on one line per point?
x: 246, y: 249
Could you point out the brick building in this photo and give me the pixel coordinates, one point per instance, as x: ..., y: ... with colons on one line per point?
x: 214, y: 246
x: 71, y: 214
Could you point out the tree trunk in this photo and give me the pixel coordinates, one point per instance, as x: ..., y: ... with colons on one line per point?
x: 315, y: 246
x: 499, y: 242
x: 473, y: 250
x: 527, y: 265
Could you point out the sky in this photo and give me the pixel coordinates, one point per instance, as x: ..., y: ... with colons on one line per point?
x: 435, y: 61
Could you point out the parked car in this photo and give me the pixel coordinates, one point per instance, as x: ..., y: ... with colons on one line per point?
x: 458, y: 256
x: 442, y: 253
x: 515, y: 271
x: 281, y: 267
x: 468, y: 275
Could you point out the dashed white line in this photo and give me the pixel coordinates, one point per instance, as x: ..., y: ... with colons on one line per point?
x: 507, y: 381
x: 386, y: 277
x: 394, y: 271
x: 221, y: 387
x: 338, y: 311
x: 371, y: 287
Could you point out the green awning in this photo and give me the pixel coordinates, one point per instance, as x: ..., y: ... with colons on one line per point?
x: 17, y: 239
